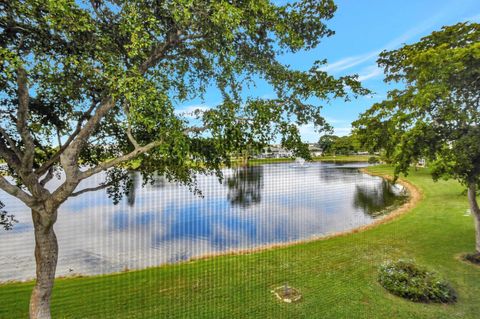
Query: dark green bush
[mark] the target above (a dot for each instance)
(405, 279)
(473, 258)
(373, 160)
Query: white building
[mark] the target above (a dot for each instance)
(314, 150)
(275, 151)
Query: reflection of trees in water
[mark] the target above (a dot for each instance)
(344, 174)
(132, 187)
(245, 186)
(157, 181)
(372, 200)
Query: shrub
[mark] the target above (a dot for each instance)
(373, 160)
(405, 279)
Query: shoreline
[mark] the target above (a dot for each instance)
(415, 196)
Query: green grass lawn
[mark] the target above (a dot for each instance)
(255, 161)
(337, 276)
(344, 158)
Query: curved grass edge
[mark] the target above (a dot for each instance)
(414, 198)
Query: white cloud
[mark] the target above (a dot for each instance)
(189, 111)
(308, 133)
(375, 97)
(370, 72)
(193, 108)
(334, 121)
(349, 62)
(341, 131)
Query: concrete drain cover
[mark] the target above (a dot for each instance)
(287, 294)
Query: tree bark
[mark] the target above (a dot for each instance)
(474, 208)
(46, 255)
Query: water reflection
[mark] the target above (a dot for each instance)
(133, 184)
(164, 222)
(374, 200)
(339, 174)
(132, 187)
(245, 186)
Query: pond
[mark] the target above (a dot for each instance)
(165, 223)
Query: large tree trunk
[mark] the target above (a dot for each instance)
(46, 255)
(474, 208)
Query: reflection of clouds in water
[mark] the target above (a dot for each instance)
(167, 223)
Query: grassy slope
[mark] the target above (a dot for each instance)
(337, 276)
(344, 158)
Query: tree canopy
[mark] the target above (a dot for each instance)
(436, 114)
(326, 143)
(96, 84)
(340, 145)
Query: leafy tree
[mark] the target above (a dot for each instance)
(346, 145)
(90, 87)
(436, 115)
(326, 143)
(6, 221)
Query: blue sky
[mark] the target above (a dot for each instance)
(363, 29)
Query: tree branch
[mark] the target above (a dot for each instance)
(195, 129)
(48, 164)
(111, 163)
(10, 157)
(159, 52)
(69, 161)
(108, 103)
(22, 119)
(90, 189)
(11, 143)
(47, 177)
(79, 141)
(16, 192)
(129, 128)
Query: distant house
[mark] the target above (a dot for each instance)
(422, 163)
(363, 153)
(314, 150)
(275, 151)
(280, 152)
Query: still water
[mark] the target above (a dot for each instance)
(165, 223)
